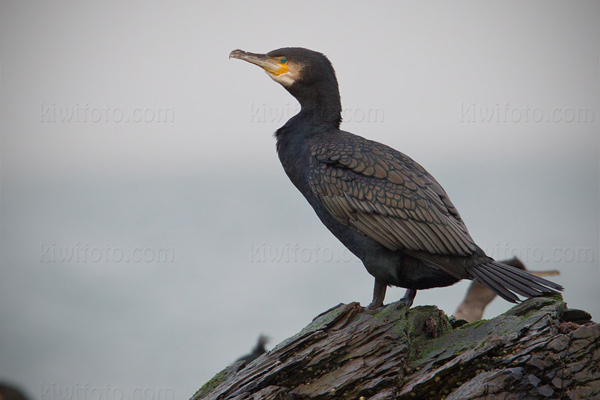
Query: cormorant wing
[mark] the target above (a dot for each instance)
(386, 195)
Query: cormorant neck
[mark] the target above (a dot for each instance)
(320, 104)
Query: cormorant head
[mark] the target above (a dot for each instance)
(307, 75)
(290, 65)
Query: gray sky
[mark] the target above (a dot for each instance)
(148, 232)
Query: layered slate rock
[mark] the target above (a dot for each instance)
(534, 350)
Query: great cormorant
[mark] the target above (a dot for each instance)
(382, 205)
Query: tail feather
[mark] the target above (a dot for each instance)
(529, 280)
(515, 285)
(554, 287)
(506, 281)
(483, 277)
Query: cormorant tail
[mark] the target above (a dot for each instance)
(509, 281)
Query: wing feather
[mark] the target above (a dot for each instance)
(387, 196)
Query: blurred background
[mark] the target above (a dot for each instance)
(148, 231)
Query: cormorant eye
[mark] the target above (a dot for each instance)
(283, 60)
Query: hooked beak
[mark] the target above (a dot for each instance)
(270, 66)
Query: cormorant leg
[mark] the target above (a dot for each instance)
(409, 297)
(378, 295)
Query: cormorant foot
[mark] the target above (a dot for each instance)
(409, 297)
(374, 305)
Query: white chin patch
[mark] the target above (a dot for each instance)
(284, 79)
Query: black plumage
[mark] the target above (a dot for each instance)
(257, 351)
(382, 205)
